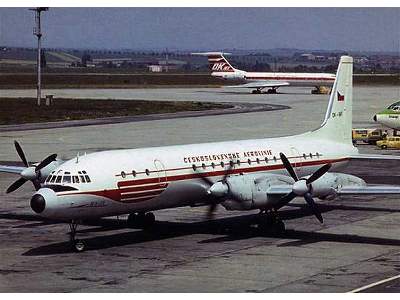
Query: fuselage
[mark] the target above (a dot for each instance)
(126, 181)
(294, 79)
(389, 117)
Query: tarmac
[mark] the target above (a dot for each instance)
(357, 247)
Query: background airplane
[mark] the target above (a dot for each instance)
(257, 81)
(389, 117)
(263, 174)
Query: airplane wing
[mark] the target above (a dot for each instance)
(369, 190)
(11, 169)
(260, 84)
(346, 190)
(375, 156)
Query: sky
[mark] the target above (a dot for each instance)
(351, 29)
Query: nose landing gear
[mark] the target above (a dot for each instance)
(76, 245)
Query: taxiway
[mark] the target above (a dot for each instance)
(358, 244)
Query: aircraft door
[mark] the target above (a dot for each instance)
(161, 172)
(295, 161)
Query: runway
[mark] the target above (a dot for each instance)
(358, 244)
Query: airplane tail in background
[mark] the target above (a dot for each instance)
(217, 62)
(337, 125)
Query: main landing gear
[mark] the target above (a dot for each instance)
(269, 223)
(141, 220)
(269, 91)
(76, 245)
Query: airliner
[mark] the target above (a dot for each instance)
(259, 174)
(258, 81)
(389, 117)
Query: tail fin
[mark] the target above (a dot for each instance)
(337, 124)
(217, 62)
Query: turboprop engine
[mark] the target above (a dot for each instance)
(247, 191)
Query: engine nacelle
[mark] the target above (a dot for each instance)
(235, 76)
(250, 192)
(326, 186)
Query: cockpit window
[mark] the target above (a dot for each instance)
(58, 179)
(394, 106)
(67, 179)
(82, 177)
(75, 179)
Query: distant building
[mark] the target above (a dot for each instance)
(156, 68)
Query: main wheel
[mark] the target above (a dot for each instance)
(383, 147)
(132, 220)
(79, 246)
(149, 219)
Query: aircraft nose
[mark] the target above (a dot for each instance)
(38, 204)
(374, 118)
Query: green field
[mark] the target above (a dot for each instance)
(24, 110)
(112, 80)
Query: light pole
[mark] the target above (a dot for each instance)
(37, 31)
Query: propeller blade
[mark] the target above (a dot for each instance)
(288, 166)
(17, 184)
(317, 174)
(45, 162)
(313, 206)
(36, 184)
(207, 180)
(285, 200)
(21, 153)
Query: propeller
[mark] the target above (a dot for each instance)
(216, 190)
(302, 186)
(30, 173)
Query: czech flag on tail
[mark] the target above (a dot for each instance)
(340, 97)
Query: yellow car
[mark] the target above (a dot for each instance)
(389, 142)
(367, 135)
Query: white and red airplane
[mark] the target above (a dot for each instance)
(221, 68)
(263, 174)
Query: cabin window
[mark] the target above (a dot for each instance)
(317, 154)
(304, 156)
(257, 160)
(123, 174)
(310, 155)
(238, 162)
(147, 172)
(213, 165)
(222, 164)
(134, 173)
(266, 159)
(203, 165)
(275, 158)
(249, 161)
(194, 167)
(231, 163)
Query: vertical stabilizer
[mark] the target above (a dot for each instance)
(217, 62)
(337, 125)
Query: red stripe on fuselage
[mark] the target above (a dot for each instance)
(115, 194)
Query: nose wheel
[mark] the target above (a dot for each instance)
(76, 245)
